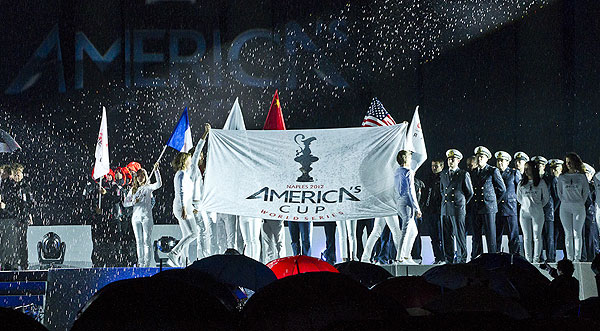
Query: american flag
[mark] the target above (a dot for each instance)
(377, 115)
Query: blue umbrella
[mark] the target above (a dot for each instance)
(238, 270)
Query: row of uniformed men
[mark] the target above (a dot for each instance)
(500, 200)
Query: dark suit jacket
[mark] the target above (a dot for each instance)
(488, 187)
(456, 191)
(508, 201)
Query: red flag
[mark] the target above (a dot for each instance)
(275, 117)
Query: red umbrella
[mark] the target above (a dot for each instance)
(134, 166)
(293, 265)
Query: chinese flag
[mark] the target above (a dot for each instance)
(275, 117)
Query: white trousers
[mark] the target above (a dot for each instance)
(572, 217)
(380, 222)
(272, 239)
(142, 229)
(347, 232)
(227, 226)
(203, 223)
(532, 224)
(250, 228)
(409, 230)
(189, 232)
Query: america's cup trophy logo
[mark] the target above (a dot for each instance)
(304, 157)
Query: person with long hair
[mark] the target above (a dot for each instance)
(186, 167)
(573, 191)
(533, 194)
(140, 198)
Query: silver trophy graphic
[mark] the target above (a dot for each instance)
(304, 157)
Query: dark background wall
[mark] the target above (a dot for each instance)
(510, 75)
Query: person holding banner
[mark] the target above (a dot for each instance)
(203, 222)
(407, 204)
(140, 198)
(183, 202)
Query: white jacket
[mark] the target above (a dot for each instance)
(141, 200)
(533, 197)
(573, 188)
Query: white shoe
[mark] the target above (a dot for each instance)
(173, 260)
(409, 261)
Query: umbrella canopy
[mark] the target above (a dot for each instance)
(455, 276)
(531, 284)
(238, 270)
(293, 265)
(477, 298)
(314, 301)
(203, 281)
(7, 143)
(367, 274)
(409, 291)
(153, 303)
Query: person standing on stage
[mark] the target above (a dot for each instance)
(597, 199)
(520, 159)
(407, 205)
(301, 237)
(533, 194)
(548, 231)
(416, 249)
(187, 171)
(590, 245)
(556, 168)
(140, 198)
(506, 217)
(456, 191)
(347, 233)
(573, 191)
(405, 198)
(432, 202)
(488, 187)
(203, 221)
(16, 205)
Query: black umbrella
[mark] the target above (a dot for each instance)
(154, 303)
(7, 143)
(316, 301)
(531, 284)
(455, 276)
(238, 270)
(367, 274)
(203, 281)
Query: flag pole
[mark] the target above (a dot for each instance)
(100, 193)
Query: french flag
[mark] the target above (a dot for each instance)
(181, 138)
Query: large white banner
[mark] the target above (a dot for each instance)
(303, 175)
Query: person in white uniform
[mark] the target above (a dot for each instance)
(203, 221)
(573, 190)
(140, 198)
(533, 194)
(348, 244)
(182, 203)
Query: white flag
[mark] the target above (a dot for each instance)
(416, 142)
(235, 120)
(102, 165)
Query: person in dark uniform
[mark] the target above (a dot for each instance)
(590, 245)
(103, 221)
(488, 187)
(549, 253)
(17, 204)
(456, 191)
(556, 168)
(416, 249)
(520, 159)
(506, 217)
(470, 215)
(361, 226)
(431, 201)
